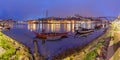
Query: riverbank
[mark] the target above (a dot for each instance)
(78, 52)
(12, 50)
(105, 47)
(90, 51)
(114, 46)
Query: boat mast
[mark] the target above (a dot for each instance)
(47, 18)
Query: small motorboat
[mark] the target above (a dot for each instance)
(83, 31)
(50, 36)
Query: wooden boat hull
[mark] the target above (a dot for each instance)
(54, 38)
(41, 36)
(50, 36)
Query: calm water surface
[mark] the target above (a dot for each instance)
(23, 34)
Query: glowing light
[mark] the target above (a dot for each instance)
(32, 27)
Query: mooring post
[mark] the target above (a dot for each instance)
(36, 54)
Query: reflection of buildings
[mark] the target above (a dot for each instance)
(52, 27)
(21, 22)
(32, 27)
(32, 21)
(64, 24)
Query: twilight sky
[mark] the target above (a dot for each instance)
(33, 9)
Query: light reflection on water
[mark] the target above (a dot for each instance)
(55, 27)
(22, 33)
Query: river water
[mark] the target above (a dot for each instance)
(23, 34)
